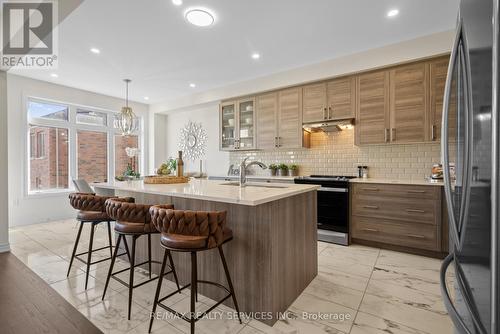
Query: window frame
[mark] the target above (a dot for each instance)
(73, 127)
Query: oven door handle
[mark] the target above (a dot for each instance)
(334, 190)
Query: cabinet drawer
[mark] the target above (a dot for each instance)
(426, 211)
(396, 233)
(394, 190)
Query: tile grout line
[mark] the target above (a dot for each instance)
(364, 292)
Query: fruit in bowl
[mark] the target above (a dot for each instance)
(163, 170)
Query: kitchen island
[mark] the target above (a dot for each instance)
(273, 256)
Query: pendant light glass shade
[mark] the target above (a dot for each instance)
(127, 122)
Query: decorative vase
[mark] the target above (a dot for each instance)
(292, 172)
(282, 172)
(272, 172)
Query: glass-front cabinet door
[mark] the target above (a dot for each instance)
(246, 124)
(228, 126)
(237, 125)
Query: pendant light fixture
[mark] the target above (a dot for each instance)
(127, 122)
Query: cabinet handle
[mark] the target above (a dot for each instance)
(386, 137)
(433, 132)
(324, 113)
(393, 134)
(279, 141)
(369, 229)
(329, 112)
(416, 191)
(370, 207)
(370, 189)
(415, 211)
(275, 141)
(416, 236)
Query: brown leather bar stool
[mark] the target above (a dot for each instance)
(132, 220)
(191, 231)
(91, 209)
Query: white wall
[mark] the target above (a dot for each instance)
(24, 209)
(4, 193)
(214, 161)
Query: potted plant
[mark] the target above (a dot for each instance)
(282, 170)
(272, 169)
(293, 170)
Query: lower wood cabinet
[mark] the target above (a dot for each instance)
(399, 215)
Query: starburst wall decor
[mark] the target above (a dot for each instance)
(193, 140)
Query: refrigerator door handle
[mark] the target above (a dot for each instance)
(444, 136)
(452, 311)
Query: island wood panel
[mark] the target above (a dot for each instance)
(272, 257)
(267, 108)
(289, 118)
(408, 95)
(314, 102)
(341, 95)
(372, 112)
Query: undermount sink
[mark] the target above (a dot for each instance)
(253, 185)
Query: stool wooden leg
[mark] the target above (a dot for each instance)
(158, 288)
(110, 241)
(89, 254)
(229, 282)
(149, 255)
(172, 266)
(131, 280)
(194, 283)
(113, 258)
(75, 247)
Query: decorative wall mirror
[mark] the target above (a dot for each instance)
(193, 140)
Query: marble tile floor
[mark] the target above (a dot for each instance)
(358, 290)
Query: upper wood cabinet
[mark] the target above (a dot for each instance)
(341, 100)
(279, 119)
(372, 114)
(330, 100)
(237, 125)
(267, 111)
(438, 70)
(314, 103)
(408, 103)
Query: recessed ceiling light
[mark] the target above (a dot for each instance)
(146, 98)
(393, 12)
(192, 85)
(255, 55)
(200, 17)
(177, 2)
(95, 50)
(54, 75)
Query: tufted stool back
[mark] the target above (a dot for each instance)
(200, 229)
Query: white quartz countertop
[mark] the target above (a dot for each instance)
(405, 182)
(255, 177)
(214, 190)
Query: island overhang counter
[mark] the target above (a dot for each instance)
(273, 255)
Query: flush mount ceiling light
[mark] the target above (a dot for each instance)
(393, 12)
(177, 2)
(95, 50)
(192, 85)
(146, 98)
(54, 75)
(255, 55)
(200, 17)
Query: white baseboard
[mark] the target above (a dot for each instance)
(4, 248)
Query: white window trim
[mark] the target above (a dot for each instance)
(73, 127)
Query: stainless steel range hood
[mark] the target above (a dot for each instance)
(329, 126)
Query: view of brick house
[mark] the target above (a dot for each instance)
(49, 156)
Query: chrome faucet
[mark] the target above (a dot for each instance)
(243, 170)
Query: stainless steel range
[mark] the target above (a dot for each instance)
(333, 206)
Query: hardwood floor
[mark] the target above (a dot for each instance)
(29, 305)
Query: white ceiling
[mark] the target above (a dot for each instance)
(151, 43)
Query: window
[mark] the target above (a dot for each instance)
(92, 156)
(67, 141)
(48, 171)
(122, 160)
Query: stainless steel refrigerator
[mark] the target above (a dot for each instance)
(470, 164)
